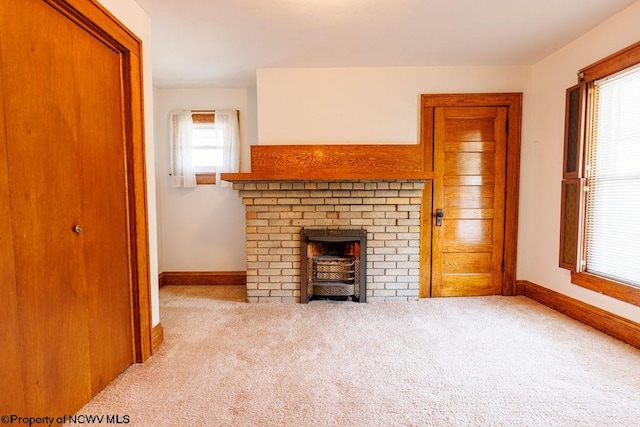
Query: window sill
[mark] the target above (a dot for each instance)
(206, 178)
(618, 290)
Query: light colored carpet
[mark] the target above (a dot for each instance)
(484, 361)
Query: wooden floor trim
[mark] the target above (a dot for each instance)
(611, 324)
(208, 278)
(157, 336)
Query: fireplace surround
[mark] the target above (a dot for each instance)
(276, 212)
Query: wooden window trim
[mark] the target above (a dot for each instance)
(205, 178)
(611, 288)
(623, 59)
(203, 117)
(612, 64)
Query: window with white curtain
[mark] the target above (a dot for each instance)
(613, 179)
(204, 144)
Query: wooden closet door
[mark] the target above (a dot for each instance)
(11, 381)
(39, 70)
(65, 151)
(104, 213)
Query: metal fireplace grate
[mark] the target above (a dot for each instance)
(333, 264)
(334, 275)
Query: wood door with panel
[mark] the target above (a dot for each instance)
(468, 200)
(62, 93)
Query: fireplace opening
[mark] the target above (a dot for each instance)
(333, 264)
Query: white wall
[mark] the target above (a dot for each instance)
(542, 159)
(135, 19)
(202, 228)
(364, 105)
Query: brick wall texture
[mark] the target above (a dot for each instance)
(277, 211)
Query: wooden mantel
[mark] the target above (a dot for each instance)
(343, 162)
(335, 163)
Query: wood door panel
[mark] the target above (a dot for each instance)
(471, 263)
(470, 146)
(480, 129)
(464, 180)
(44, 160)
(461, 163)
(468, 231)
(11, 375)
(467, 248)
(65, 151)
(468, 113)
(469, 197)
(470, 213)
(469, 186)
(467, 285)
(104, 208)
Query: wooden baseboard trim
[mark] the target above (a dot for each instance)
(209, 278)
(157, 336)
(611, 324)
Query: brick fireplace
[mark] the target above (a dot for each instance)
(276, 212)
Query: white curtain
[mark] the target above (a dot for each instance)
(183, 173)
(228, 132)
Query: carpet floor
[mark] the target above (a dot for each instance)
(483, 361)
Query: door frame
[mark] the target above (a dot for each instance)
(95, 19)
(513, 102)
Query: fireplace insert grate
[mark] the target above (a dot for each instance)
(334, 275)
(333, 264)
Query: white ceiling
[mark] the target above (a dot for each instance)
(220, 43)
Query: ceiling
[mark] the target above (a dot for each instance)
(221, 43)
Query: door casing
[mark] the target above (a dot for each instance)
(513, 102)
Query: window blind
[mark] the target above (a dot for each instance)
(613, 180)
(207, 147)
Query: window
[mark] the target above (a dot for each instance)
(600, 222)
(613, 179)
(203, 145)
(207, 148)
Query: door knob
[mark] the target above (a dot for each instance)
(439, 216)
(77, 229)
